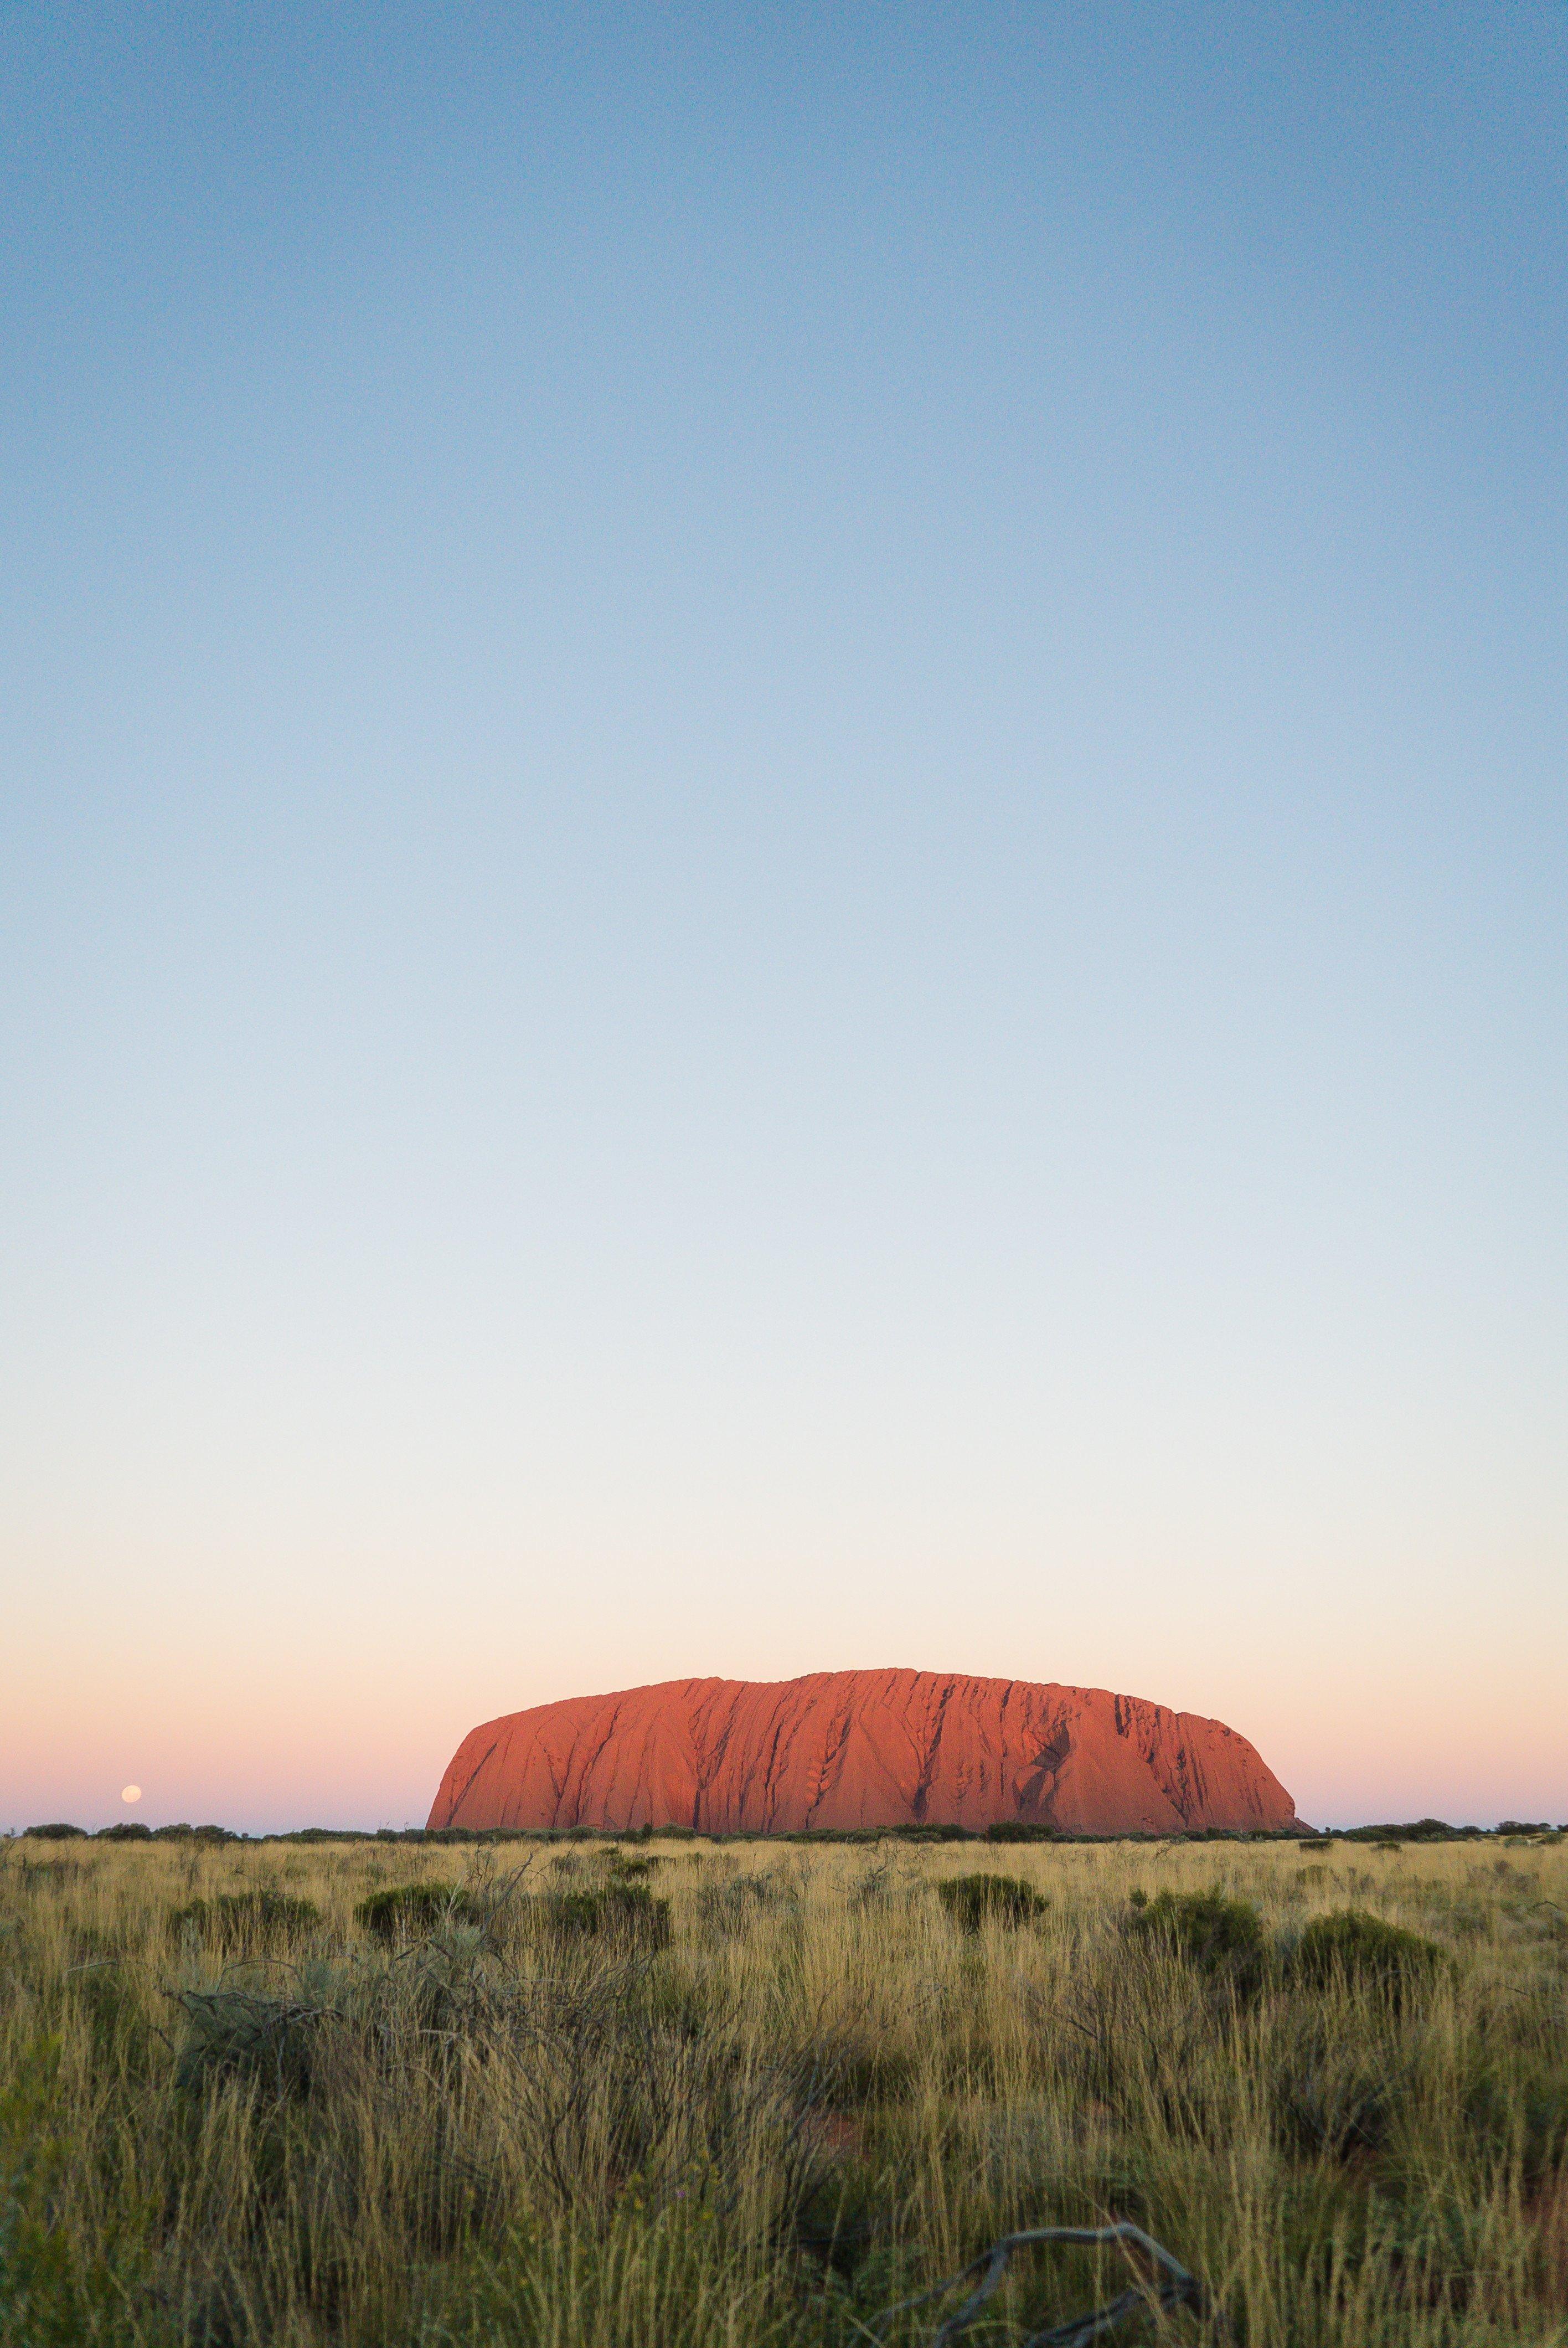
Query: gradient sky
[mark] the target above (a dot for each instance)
(782, 879)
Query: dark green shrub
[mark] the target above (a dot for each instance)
(238, 1921)
(1211, 1931)
(253, 2034)
(58, 1833)
(1354, 1946)
(1339, 2096)
(410, 1911)
(625, 1910)
(1524, 2119)
(128, 1830)
(972, 1900)
(841, 2218)
(1019, 1830)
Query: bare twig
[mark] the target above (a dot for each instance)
(1174, 2287)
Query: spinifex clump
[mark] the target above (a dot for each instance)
(237, 1923)
(973, 1901)
(623, 1909)
(410, 1911)
(1210, 1930)
(1354, 1947)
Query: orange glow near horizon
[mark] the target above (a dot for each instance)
(359, 1735)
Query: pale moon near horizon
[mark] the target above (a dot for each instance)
(131, 1793)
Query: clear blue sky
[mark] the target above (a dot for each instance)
(782, 877)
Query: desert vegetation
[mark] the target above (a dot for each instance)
(674, 2093)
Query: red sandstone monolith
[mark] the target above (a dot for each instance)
(843, 1749)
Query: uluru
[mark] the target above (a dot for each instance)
(871, 1749)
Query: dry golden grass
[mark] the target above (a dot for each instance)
(819, 2097)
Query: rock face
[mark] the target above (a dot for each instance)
(859, 1749)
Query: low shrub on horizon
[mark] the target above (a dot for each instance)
(1413, 1831)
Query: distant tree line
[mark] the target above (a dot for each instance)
(1005, 1830)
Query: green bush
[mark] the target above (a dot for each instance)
(1019, 1830)
(1354, 1946)
(1213, 1932)
(258, 2035)
(410, 1911)
(58, 1833)
(973, 1901)
(1339, 2092)
(237, 1921)
(626, 1911)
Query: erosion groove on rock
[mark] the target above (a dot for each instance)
(840, 1749)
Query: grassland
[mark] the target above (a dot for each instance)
(802, 2092)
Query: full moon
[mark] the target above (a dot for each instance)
(131, 1793)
